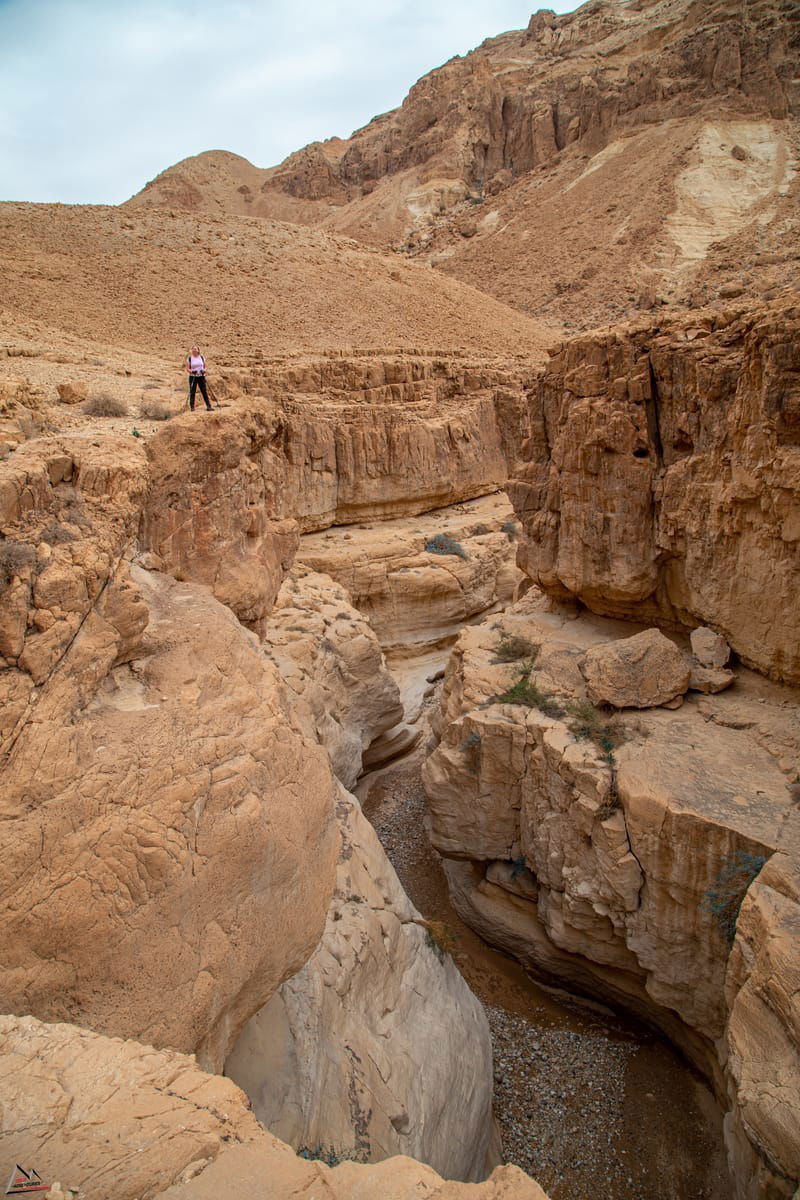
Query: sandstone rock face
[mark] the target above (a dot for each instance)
(375, 438)
(329, 657)
(415, 597)
(169, 1130)
(377, 1046)
(210, 510)
(661, 480)
(635, 840)
(166, 805)
(643, 671)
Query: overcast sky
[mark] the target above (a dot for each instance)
(98, 96)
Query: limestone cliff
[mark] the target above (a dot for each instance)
(661, 478)
(613, 854)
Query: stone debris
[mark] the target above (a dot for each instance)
(709, 648)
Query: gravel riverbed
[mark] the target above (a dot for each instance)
(587, 1103)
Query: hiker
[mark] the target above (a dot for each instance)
(196, 366)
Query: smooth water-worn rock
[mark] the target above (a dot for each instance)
(377, 1046)
(170, 1130)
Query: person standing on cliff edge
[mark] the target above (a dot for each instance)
(196, 366)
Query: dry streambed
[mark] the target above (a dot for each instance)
(588, 1103)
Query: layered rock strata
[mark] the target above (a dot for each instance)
(97, 1111)
(613, 853)
(419, 580)
(661, 479)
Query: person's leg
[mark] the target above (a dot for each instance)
(192, 390)
(202, 381)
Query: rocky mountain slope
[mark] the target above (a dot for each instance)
(156, 281)
(597, 162)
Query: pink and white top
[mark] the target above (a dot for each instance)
(197, 364)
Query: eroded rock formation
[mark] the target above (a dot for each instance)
(377, 1047)
(192, 1135)
(661, 479)
(614, 853)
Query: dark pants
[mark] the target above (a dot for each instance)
(194, 381)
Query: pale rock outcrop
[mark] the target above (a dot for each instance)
(413, 596)
(377, 1046)
(165, 806)
(661, 478)
(212, 513)
(328, 656)
(643, 671)
(636, 839)
(709, 679)
(100, 1113)
(709, 648)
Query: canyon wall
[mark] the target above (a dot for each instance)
(661, 478)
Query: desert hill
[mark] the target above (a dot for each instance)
(592, 164)
(152, 281)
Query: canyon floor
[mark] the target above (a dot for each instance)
(587, 1102)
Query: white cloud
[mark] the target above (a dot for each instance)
(97, 98)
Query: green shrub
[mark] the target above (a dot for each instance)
(481, 530)
(509, 528)
(442, 543)
(723, 899)
(525, 691)
(471, 747)
(103, 404)
(14, 558)
(513, 647)
(439, 938)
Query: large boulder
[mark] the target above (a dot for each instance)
(165, 808)
(642, 671)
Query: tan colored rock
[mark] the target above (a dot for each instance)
(624, 857)
(377, 1046)
(660, 480)
(146, 1122)
(710, 679)
(709, 648)
(182, 804)
(72, 393)
(413, 597)
(642, 671)
(328, 655)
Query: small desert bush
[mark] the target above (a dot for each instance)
(513, 648)
(593, 724)
(526, 692)
(509, 528)
(471, 747)
(723, 899)
(439, 938)
(103, 404)
(56, 535)
(14, 557)
(154, 410)
(481, 530)
(442, 543)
